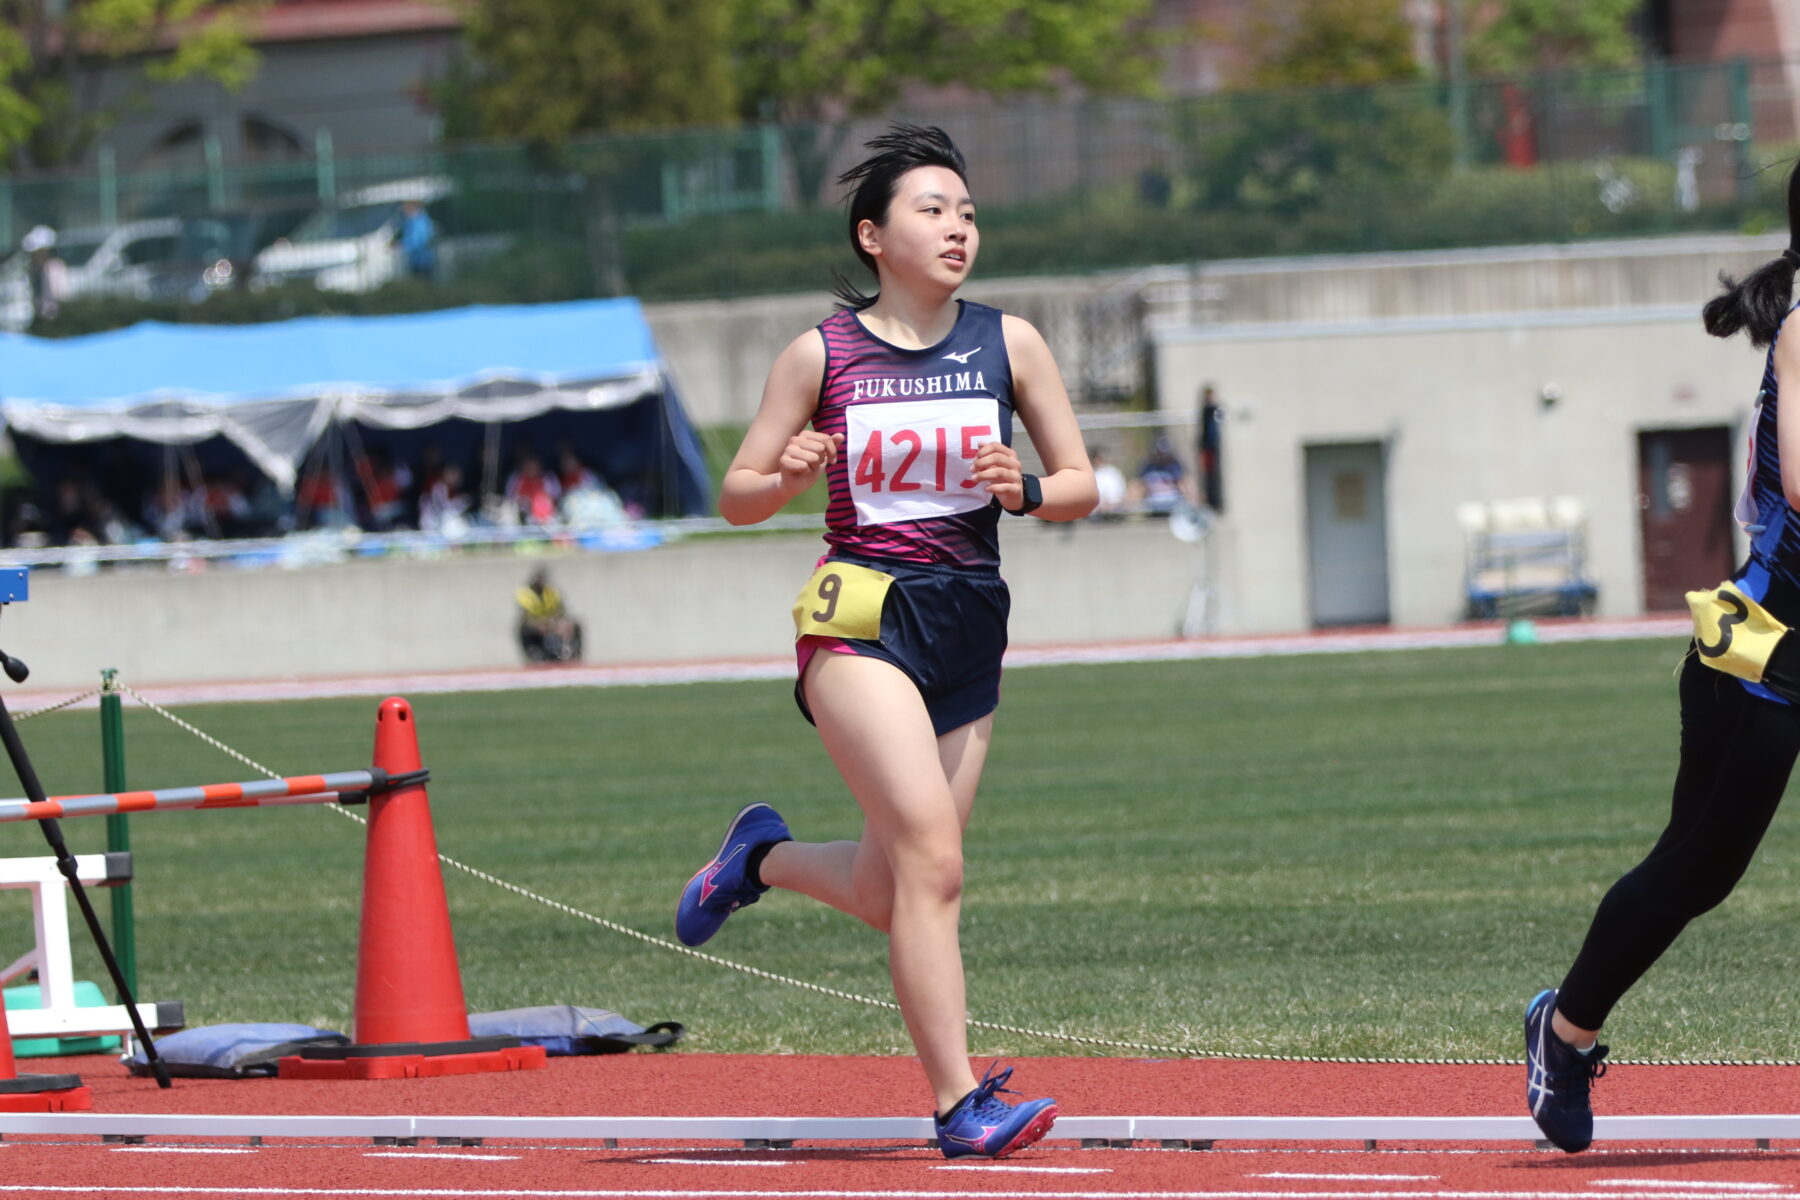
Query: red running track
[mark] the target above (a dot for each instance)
(672, 1084)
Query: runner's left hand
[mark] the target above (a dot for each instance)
(997, 468)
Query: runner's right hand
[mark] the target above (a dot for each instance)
(806, 454)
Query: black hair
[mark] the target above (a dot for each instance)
(1761, 300)
(901, 149)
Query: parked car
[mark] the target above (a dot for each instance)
(119, 260)
(350, 247)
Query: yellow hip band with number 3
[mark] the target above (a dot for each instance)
(1734, 633)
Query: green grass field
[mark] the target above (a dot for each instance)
(1375, 854)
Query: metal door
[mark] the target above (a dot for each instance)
(1346, 533)
(1684, 504)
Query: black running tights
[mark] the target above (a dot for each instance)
(1736, 753)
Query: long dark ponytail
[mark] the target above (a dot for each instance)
(1760, 302)
(899, 150)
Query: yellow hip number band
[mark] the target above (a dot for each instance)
(1734, 633)
(842, 600)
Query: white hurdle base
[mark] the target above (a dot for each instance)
(765, 1132)
(50, 956)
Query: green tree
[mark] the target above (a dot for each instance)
(816, 63)
(809, 59)
(52, 53)
(1541, 35)
(547, 70)
(1332, 43)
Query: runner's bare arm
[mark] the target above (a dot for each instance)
(1787, 414)
(1043, 404)
(780, 457)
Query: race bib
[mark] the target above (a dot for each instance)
(910, 459)
(842, 600)
(1734, 633)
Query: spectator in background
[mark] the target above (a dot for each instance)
(1109, 481)
(45, 274)
(531, 492)
(385, 485)
(546, 631)
(1212, 488)
(418, 240)
(586, 502)
(322, 500)
(173, 512)
(227, 504)
(444, 506)
(1161, 481)
(71, 513)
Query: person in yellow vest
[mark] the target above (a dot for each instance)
(547, 633)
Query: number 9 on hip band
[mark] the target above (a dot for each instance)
(842, 600)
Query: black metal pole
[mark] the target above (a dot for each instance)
(65, 862)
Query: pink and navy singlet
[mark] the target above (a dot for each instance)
(912, 421)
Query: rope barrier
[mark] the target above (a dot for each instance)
(871, 1002)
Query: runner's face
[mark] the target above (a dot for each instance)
(930, 235)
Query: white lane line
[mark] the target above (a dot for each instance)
(440, 1154)
(1327, 1175)
(1022, 1167)
(1721, 1184)
(1700, 1192)
(179, 1150)
(725, 1162)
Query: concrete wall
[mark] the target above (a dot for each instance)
(1458, 404)
(720, 351)
(707, 598)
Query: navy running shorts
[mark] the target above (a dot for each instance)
(945, 627)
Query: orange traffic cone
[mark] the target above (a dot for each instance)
(410, 1016)
(36, 1093)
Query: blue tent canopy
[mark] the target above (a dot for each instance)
(437, 351)
(273, 390)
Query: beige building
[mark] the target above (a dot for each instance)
(1378, 409)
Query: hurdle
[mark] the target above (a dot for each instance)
(343, 787)
(50, 957)
(59, 1015)
(779, 1133)
(410, 1017)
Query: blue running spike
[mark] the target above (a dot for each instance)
(721, 887)
(985, 1125)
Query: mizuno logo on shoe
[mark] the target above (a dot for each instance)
(707, 886)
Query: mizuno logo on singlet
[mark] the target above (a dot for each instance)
(950, 383)
(963, 358)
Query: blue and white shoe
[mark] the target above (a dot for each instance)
(985, 1125)
(721, 887)
(1557, 1077)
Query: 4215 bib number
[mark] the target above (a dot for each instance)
(912, 459)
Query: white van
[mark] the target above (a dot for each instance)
(351, 246)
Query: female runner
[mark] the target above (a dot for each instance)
(910, 396)
(1739, 736)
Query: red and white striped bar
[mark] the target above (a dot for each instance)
(299, 789)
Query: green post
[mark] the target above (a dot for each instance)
(1659, 83)
(1743, 132)
(109, 185)
(118, 830)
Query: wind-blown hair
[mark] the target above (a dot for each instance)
(901, 149)
(1761, 300)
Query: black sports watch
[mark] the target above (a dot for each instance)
(1033, 492)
